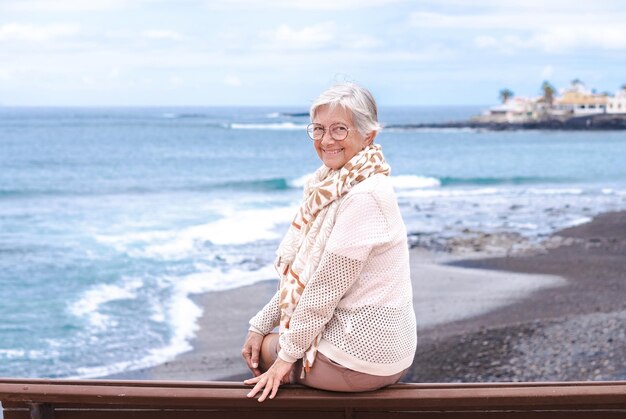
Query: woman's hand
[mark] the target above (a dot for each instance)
(251, 351)
(270, 380)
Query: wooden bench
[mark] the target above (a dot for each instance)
(99, 399)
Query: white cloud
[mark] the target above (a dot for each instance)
(330, 5)
(334, 4)
(66, 5)
(484, 41)
(36, 33)
(551, 32)
(523, 20)
(308, 37)
(507, 44)
(114, 73)
(232, 81)
(362, 42)
(558, 39)
(450, 21)
(517, 7)
(176, 80)
(547, 72)
(162, 34)
(88, 81)
(5, 74)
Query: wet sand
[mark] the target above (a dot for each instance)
(553, 314)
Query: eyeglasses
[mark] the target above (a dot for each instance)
(338, 131)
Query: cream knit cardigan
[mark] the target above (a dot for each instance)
(361, 294)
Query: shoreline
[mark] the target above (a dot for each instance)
(480, 317)
(224, 323)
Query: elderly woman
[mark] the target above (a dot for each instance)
(344, 303)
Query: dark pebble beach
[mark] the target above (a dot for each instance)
(576, 332)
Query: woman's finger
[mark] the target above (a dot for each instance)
(254, 358)
(268, 387)
(253, 380)
(275, 388)
(245, 352)
(256, 388)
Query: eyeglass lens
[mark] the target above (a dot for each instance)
(338, 132)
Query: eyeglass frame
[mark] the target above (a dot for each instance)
(313, 124)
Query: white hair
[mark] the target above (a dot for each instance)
(353, 98)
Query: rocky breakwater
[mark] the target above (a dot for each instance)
(598, 122)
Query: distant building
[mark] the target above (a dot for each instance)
(573, 101)
(578, 100)
(516, 109)
(617, 104)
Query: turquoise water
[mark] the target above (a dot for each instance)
(111, 219)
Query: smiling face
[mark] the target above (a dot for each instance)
(334, 154)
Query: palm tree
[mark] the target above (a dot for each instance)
(624, 86)
(506, 94)
(548, 92)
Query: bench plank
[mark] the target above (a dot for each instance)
(161, 399)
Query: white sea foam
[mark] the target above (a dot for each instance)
(123, 243)
(414, 182)
(234, 228)
(555, 191)
(523, 226)
(12, 353)
(183, 314)
(301, 181)
(577, 221)
(243, 227)
(449, 130)
(431, 193)
(21, 353)
(92, 299)
(271, 126)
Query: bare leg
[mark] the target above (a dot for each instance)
(269, 351)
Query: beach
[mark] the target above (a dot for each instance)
(553, 312)
(573, 332)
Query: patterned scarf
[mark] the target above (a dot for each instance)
(302, 247)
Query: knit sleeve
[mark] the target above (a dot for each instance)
(360, 225)
(268, 318)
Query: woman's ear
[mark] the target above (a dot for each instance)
(369, 139)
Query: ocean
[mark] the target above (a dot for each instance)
(112, 219)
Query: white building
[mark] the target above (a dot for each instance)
(617, 104)
(516, 109)
(579, 100)
(581, 104)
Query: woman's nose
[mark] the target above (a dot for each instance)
(326, 138)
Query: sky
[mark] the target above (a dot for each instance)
(279, 52)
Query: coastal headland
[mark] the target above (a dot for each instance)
(551, 312)
(600, 122)
(573, 108)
